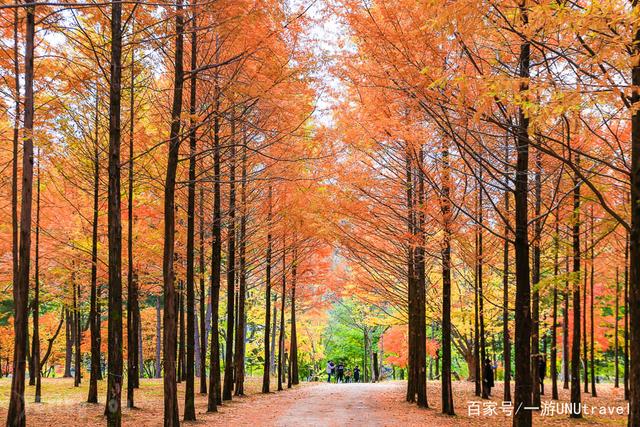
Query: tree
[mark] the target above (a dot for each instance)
(16, 415)
(114, 387)
(171, 417)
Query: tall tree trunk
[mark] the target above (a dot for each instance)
(565, 328)
(171, 410)
(523, 286)
(535, 278)
(554, 315)
(266, 377)
(203, 302)
(575, 344)
(16, 140)
(585, 352)
(158, 344)
(94, 319)
(132, 286)
(140, 355)
(215, 395)
(479, 275)
(483, 344)
(634, 240)
(242, 288)
(445, 206)
(274, 329)
(411, 282)
(196, 340)
(293, 345)
(477, 362)
(181, 343)
(231, 267)
(98, 317)
(78, 333)
(506, 341)
(189, 398)
(113, 406)
(35, 348)
(282, 326)
(421, 284)
(15, 154)
(68, 343)
(626, 319)
(16, 415)
(594, 393)
(616, 333)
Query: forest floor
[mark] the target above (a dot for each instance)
(310, 404)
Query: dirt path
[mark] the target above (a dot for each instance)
(309, 404)
(337, 405)
(383, 404)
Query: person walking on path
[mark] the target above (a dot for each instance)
(356, 374)
(330, 367)
(542, 367)
(487, 376)
(340, 377)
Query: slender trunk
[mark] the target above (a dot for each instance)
(535, 279)
(594, 393)
(77, 332)
(565, 328)
(68, 344)
(99, 326)
(483, 345)
(447, 390)
(274, 329)
(506, 344)
(411, 283)
(140, 355)
(616, 333)
(132, 286)
(189, 398)
(35, 348)
(16, 415)
(523, 286)
(626, 319)
(282, 327)
(585, 353)
(242, 288)
(203, 303)
(293, 346)
(477, 375)
(266, 378)
(171, 410)
(94, 319)
(158, 333)
(231, 267)
(215, 395)
(181, 344)
(634, 240)
(554, 322)
(196, 340)
(575, 344)
(113, 407)
(421, 284)
(16, 141)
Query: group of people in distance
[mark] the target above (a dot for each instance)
(487, 373)
(342, 374)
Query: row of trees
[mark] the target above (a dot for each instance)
(502, 138)
(203, 111)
